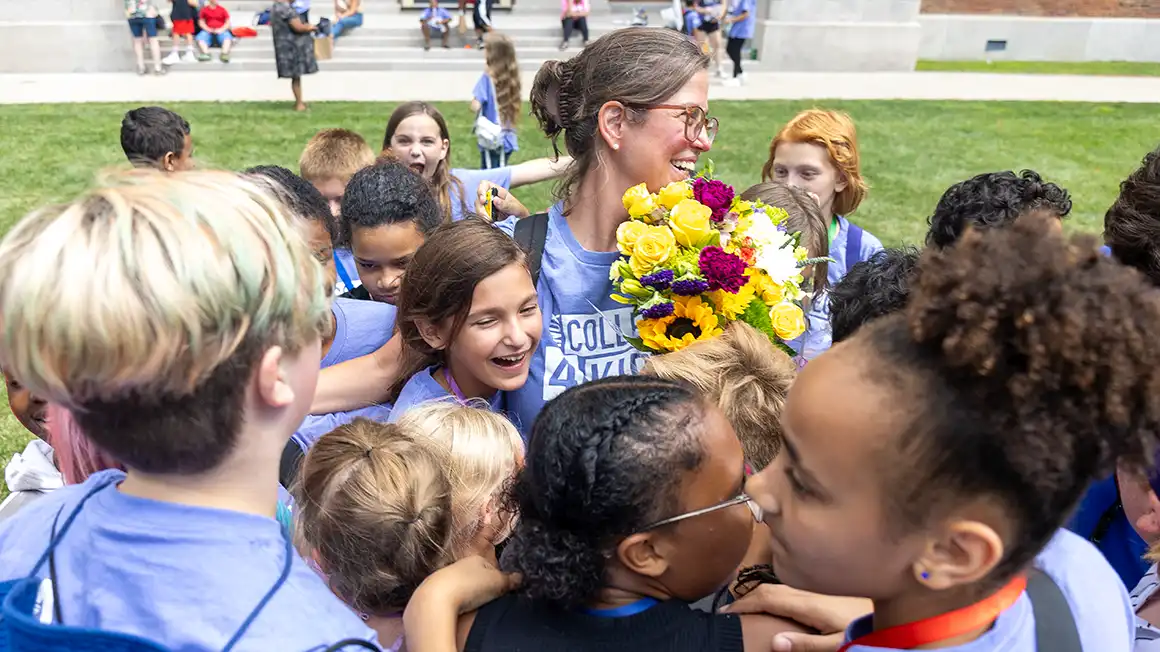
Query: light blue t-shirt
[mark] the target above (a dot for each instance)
(579, 343)
(360, 328)
(1098, 600)
(471, 179)
(344, 266)
(434, 17)
(484, 93)
(423, 387)
(817, 338)
(743, 28)
(184, 577)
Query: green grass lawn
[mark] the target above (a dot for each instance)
(1112, 68)
(911, 152)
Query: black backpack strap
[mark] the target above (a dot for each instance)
(291, 459)
(1055, 629)
(531, 234)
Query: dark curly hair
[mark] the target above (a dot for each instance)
(870, 289)
(149, 133)
(995, 199)
(1132, 224)
(298, 195)
(1032, 365)
(605, 459)
(388, 192)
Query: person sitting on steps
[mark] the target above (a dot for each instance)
(435, 20)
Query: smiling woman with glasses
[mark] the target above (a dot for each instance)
(631, 505)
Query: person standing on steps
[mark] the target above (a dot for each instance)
(184, 19)
(293, 47)
(481, 15)
(574, 17)
(142, 15)
(742, 18)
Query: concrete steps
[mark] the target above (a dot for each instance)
(391, 40)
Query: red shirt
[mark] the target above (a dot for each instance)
(215, 17)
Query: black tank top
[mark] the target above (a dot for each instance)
(512, 624)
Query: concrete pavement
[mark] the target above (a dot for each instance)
(396, 86)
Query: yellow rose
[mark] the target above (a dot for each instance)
(633, 195)
(672, 194)
(627, 234)
(689, 220)
(653, 247)
(788, 320)
(643, 207)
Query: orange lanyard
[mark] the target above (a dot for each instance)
(945, 626)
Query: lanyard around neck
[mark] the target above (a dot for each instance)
(454, 387)
(623, 611)
(833, 229)
(945, 626)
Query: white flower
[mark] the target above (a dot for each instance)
(764, 234)
(779, 263)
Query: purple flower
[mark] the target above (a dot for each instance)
(659, 311)
(658, 280)
(717, 196)
(723, 270)
(690, 288)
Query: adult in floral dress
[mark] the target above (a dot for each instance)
(293, 47)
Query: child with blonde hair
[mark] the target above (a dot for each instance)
(193, 369)
(818, 151)
(497, 98)
(426, 490)
(328, 162)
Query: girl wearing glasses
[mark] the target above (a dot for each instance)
(631, 505)
(818, 152)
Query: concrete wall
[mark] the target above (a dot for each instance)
(839, 35)
(66, 36)
(962, 37)
(1090, 8)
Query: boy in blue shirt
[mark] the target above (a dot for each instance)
(193, 368)
(435, 20)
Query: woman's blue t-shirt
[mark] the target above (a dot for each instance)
(584, 329)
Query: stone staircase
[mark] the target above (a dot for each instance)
(390, 38)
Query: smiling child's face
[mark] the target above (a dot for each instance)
(28, 409)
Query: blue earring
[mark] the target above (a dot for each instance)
(925, 575)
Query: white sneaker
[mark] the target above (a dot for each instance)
(731, 81)
(173, 58)
(189, 57)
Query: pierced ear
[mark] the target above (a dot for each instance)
(612, 120)
(639, 553)
(843, 182)
(431, 334)
(964, 553)
(274, 386)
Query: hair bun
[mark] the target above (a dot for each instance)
(1053, 322)
(549, 95)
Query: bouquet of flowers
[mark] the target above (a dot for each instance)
(695, 257)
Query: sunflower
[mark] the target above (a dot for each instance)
(692, 320)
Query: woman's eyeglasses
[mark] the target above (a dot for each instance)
(696, 120)
(758, 514)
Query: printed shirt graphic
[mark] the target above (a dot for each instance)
(583, 327)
